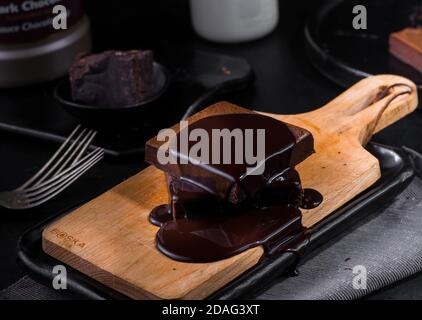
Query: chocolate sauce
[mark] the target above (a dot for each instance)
(219, 236)
(217, 211)
(311, 199)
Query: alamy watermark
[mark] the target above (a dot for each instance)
(60, 277)
(360, 21)
(193, 147)
(60, 19)
(360, 279)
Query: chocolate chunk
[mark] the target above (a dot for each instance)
(113, 78)
(406, 45)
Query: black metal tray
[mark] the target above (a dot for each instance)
(345, 55)
(397, 172)
(197, 78)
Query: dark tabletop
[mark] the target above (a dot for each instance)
(286, 82)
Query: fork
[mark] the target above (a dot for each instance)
(68, 164)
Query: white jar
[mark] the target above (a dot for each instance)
(234, 20)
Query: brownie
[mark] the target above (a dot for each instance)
(406, 45)
(113, 78)
(285, 147)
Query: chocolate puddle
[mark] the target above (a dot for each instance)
(222, 234)
(311, 199)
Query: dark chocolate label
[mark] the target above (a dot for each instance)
(30, 20)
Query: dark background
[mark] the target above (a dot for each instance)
(286, 82)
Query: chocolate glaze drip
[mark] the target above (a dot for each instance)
(219, 211)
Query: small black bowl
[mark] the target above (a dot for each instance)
(112, 115)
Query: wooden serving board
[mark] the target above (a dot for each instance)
(111, 240)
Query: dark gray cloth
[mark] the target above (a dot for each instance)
(388, 244)
(28, 289)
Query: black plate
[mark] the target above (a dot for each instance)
(397, 172)
(346, 55)
(63, 94)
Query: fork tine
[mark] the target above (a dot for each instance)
(52, 184)
(83, 145)
(51, 160)
(43, 191)
(62, 158)
(42, 198)
(64, 174)
(37, 202)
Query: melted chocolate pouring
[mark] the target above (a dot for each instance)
(219, 211)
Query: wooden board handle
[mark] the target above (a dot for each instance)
(356, 113)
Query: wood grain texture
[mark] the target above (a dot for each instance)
(111, 240)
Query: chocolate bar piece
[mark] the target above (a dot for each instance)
(113, 78)
(406, 45)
